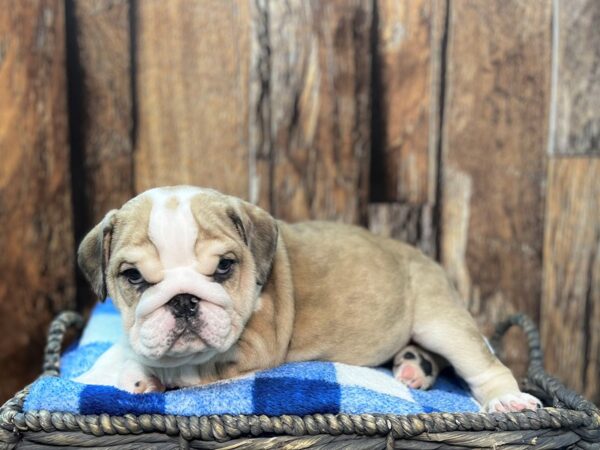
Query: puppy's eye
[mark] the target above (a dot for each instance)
(133, 276)
(224, 267)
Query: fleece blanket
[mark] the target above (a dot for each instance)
(293, 388)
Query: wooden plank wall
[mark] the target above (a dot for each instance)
(466, 128)
(192, 121)
(101, 102)
(570, 307)
(316, 108)
(406, 120)
(494, 145)
(36, 233)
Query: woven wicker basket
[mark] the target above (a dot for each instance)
(570, 422)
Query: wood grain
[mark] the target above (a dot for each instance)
(406, 110)
(494, 131)
(260, 142)
(570, 310)
(406, 223)
(577, 78)
(192, 89)
(103, 114)
(36, 242)
(404, 165)
(319, 109)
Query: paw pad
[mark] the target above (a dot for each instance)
(415, 368)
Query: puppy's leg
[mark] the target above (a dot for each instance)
(444, 326)
(416, 368)
(106, 369)
(118, 367)
(137, 379)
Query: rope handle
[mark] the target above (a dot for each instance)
(560, 395)
(56, 334)
(536, 355)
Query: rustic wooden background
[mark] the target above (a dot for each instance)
(469, 128)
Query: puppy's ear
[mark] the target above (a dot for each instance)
(259, 231)
(94, 252)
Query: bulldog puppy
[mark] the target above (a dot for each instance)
(212, 287)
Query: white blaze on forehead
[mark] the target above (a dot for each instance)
(172, 227)
(173, 230)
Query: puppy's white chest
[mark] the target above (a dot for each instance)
(178, 377)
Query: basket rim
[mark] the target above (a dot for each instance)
(570, 411)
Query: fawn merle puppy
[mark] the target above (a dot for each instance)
(211, 287)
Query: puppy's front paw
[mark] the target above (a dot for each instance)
(512, 403)
(136, 379)
(415, 368)
(149, 384)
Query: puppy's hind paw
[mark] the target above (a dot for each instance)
(415, 368)
(512, 403)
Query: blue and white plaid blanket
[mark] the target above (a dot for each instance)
(293, 388)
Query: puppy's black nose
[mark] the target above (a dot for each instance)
(184, 305)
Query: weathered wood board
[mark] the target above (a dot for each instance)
(101, 113)
(407, 74)
(404, 161)
(319, 109)
(494, 147)
(101, 107)
(407, 223)
(192, 68)
(36, 240)
(576, 78)
(260, 143)
(570, 310)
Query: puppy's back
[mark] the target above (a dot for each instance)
(350, 292)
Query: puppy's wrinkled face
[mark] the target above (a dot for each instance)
(185, 266)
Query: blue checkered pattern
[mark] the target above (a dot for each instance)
(293, 388)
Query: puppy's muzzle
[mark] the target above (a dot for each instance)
(184, 306)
